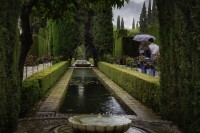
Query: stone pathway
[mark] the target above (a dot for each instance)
(52, 103)
(141, 111)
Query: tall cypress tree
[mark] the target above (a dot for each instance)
(133, 24)
(180, 62)
(137, 25)
(118, 22)
(149, 14)
(122, 23)
(102, 31)
(9, 75)
(143, 19)
(154, 14)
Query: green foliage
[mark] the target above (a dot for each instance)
(118, 48)
(3, 83)
(43, 48)
(36, 86)
(120, 33)
(122, 23)
(133, 24)
(9, 83)
(108, 58)
(34, 48)
(80, 52)
(143, 19)
(154, 14)
(9, 14)
(137, 25)
(41, 45)
(126, 46)
(30, 94)
(133, 32)
(149, 14)
(154, 31)
(129, 61)
(102, 31)
(141, 86)
(180, 62)
(63, 41)
(118, 22)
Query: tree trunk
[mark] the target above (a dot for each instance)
(26, 36)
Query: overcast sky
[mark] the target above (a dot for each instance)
(128, 12)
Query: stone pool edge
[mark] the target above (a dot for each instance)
(141, 111)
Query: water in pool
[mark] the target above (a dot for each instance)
(86, 95)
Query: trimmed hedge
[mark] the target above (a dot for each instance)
(35, 86)
(126, 46)
(143, 87)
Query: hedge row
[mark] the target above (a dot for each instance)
(143, 87)
(35, 86)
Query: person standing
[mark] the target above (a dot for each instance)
(144, 54)
(144, 49)
(154, 48)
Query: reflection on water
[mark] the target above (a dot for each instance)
(86, 94)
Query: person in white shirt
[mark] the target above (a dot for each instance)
(153, 47)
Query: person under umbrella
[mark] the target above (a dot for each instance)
(145, 54)
(153, 47)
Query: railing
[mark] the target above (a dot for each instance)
(29, 70)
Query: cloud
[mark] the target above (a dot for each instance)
(128, 12)
(137, 1)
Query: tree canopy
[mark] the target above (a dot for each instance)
(10, 11)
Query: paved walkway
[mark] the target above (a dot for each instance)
(52, 103)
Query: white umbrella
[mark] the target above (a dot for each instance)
(143, 37)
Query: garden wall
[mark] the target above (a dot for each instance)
(143, 87)
(36, 86)
(126, 46)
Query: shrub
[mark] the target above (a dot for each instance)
(143, 87)
(36, 86)
(29, 94)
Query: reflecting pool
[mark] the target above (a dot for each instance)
(86, 95)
